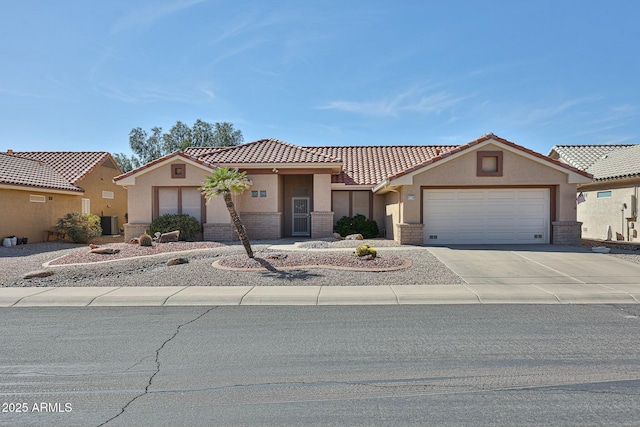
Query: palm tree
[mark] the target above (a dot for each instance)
(225, 182)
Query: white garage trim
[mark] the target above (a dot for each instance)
(486, 215)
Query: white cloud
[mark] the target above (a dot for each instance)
(417, 100)
(147, 16)
(137, 94)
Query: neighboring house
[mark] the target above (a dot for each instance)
(610, 201)
(37, 188)
(487, 191)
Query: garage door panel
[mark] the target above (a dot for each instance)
(501, 195)
(486, 216)
(470, 195)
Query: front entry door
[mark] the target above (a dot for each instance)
(301, 217)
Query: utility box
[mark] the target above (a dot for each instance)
(630, 208)
(109, 225)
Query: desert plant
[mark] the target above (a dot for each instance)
(359, 224)
(80, 227)
(225, 182)
(145, 240)
(189, 226)
(364, 250)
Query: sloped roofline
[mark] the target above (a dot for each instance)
(68, 188)
(485, 138)
(152, 164)
(104, 155)
(455, 152)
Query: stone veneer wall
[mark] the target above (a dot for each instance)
(567, 233)
(321, 224)
(134, 230)
(262, 225)
(219, 232)
(409, 234)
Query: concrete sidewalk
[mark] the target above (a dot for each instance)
(561, 293)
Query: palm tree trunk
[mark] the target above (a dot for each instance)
(235, 218)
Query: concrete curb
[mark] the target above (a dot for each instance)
(321, 295)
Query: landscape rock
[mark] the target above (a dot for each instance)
(37, 274)
(354, 237)
(173, 236)
(337, 236)
(177, 261)
(135, 241)
(107, 251)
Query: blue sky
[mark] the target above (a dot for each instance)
(79, 75)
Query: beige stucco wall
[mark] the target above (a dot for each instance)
(99, 180)
(596, 213)
(517, 170)
(322, 192)
(393, 206)
(261, 182)
(140, 195)
(21, 218)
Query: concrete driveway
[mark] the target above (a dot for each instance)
(535, 264)
(542, 273)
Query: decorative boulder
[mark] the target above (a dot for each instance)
(177, 261)
(169, 237)
(337, 236)
(135, 241)
(354, 237)
(107, 251)
(37, 274)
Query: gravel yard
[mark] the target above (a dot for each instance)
(153, 271)
(425, 269)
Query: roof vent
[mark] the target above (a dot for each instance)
(10, 151)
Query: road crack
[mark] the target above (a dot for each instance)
(157, 371)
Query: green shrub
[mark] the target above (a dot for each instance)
(359, 224)
(189, 226)
(80, 227)
(145, 240)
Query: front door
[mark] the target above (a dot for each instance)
(301, 217)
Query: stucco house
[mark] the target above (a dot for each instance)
(37, 188)
(610, 201)
(487, 191)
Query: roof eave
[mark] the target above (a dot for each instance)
(34, 188)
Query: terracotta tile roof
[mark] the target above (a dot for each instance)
(361, 165)
(73, 165)
(583, 156)
(370, 165)
(618, 164)
(481, 140)
(263, 151)
(17, 170)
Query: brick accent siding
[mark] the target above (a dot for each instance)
(262, 225)
(321, 224)
(219, 232)
(134, 230)
(409, 234)
(567, 233)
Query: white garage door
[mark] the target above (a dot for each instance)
(470, 216)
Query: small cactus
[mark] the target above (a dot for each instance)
(364, 250)
(145, 240)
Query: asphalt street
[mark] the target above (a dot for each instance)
(540, 365)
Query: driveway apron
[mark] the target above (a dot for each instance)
(535, 265)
